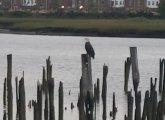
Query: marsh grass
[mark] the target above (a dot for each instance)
(129, 24)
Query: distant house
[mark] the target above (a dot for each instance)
(152, 3)
(117, 3)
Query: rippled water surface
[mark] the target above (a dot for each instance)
(30, 52)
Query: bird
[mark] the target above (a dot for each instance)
(89, 48)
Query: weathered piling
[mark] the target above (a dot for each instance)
(146, 105)
(98, 89)
(61, 101)
(160, 114)
(9, 87)
(130, 105)
(95, 99)
(46, 115)
(4, 98)
(138, 106)
(51, 99)
(135, 69)
(163, 92)
(161, 62)
(44, 83)
(22, 102)
(126, 73)
(39, 100)
(154, 106)
(81, 102)
(114, 107)
(89, 105)
(86, 74)
(36, 115)
(49, 68)
(104, 90)
(17, 92)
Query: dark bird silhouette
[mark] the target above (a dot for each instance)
(89, 48)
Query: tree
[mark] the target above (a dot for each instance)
(161, 8)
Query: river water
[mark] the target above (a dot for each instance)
(31, 51)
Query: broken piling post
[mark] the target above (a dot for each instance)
(9, 87)
(146, 105)
(104, 90)
(81, 102)
(17, 97)
(86, 74)
(126, 73)
(138, 106)
(61, 101)
(39, 100)
(4, 99)
(98, 89)
(130, 105)
(161, 70)
(135, 69)
(22, 102)
(51, 99)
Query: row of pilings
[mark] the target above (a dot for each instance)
(89, 94)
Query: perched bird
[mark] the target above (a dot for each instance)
(89, 48)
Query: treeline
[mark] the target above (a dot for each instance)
(72, 14)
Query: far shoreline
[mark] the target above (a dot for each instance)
(86, 33)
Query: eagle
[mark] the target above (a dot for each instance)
(89, 48)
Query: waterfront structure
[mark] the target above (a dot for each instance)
(88, 6)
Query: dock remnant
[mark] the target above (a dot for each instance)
(135, 68)
(4, 100)
(39, 100)
(22, 102)
(98, 90)
(80, 103)
(130, 105)
(114, 108)
(104, 91)
(86, 75)
(126, 73)
(61, 101)
(161, 70)
(9, 87)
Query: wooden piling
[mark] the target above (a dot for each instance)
(104, 91)
(146, 105)
(114, 108)
(163, 92)
(61, 101)
(130, 105)
(160, 114)
(126, 73)
(138, 106)
(46, 117)
(161, 62)
(81, 102)
(4, 99)
(51, 99)
(44, 80)
(86, 74)
(9, 87)
(17, 97)
(98, 89)
(36, 114)
(135, 69)
(89, 105)
(22, 102)
(39, 100)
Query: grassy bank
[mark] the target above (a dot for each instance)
(108, 26)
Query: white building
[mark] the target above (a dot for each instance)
(29, 2)
(117, 3)
(152, 3)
